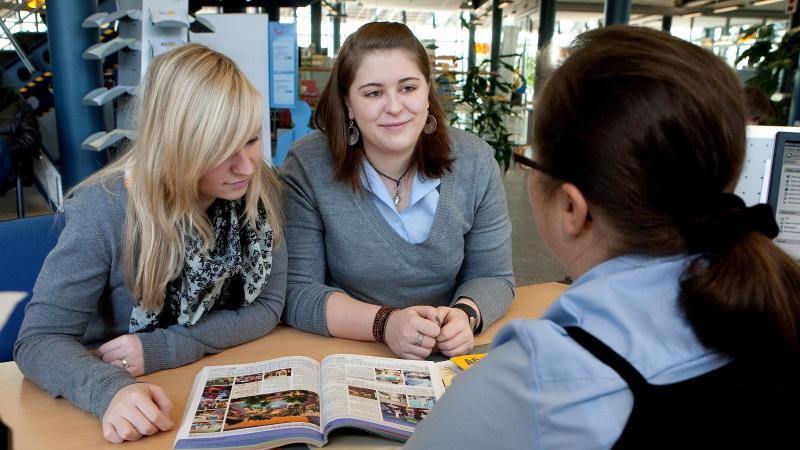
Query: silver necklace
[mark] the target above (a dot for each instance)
(396, 182)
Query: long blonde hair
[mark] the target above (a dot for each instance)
(196, 109)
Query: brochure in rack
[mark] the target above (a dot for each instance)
(299, 400)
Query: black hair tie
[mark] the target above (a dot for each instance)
(725, 223)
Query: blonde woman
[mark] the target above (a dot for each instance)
(170, 253)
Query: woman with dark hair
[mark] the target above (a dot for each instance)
(681, 328)
(398, 228)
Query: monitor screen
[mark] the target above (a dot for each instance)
(784, 191)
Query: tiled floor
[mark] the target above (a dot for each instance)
(533, 262)
(35, 204)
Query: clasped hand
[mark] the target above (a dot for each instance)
(414, 332)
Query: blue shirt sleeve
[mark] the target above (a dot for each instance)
(490, 406)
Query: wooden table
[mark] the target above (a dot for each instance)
(38, 421)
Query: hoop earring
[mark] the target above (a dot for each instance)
(430, 125)
(352, 134)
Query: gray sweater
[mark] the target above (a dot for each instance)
(80, 301)
(338, 240)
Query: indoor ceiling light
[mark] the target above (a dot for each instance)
(694, 14)
(765, 2)
(726, 9)
(694, 3)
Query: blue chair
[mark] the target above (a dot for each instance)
(301, 115)
(24, 243)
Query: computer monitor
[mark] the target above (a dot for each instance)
(753, 184)
(784, 191)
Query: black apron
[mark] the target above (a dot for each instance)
(753, 406)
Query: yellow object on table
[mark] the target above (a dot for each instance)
(467, 361)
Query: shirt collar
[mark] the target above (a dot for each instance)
(606, 289)
(372, 182)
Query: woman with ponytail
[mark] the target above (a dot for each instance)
(682, 326)
(171, 252)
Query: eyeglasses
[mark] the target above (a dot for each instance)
(531, 164)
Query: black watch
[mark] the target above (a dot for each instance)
(471, 313)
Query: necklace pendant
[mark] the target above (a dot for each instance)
(396, 201)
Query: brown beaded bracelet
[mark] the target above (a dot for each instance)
(379, 325)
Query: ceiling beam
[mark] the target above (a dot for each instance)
(668, 11)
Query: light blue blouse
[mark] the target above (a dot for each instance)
(413, 223)
(538, 388)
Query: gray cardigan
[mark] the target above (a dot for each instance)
(80, 301)
(338, 240)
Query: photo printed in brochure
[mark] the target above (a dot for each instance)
(275, 393)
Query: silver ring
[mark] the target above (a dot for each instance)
(124, 363)
(420, 337)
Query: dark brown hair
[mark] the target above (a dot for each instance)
(759, 111)
(432, 153)
(651, 129)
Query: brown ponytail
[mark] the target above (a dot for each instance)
(746, 303)
(651, 129)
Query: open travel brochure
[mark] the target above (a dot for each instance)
(299, 400)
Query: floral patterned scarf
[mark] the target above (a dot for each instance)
(231, 274)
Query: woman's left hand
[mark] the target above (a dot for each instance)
(455, 337)
(124, 351)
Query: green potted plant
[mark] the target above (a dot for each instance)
(775, 65)
(482, 106)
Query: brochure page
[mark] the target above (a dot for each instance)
(241, 405)
(383, 395)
